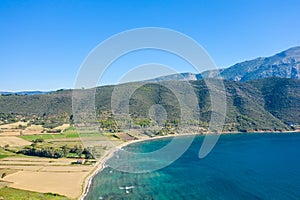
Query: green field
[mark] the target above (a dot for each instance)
(4, 154)
(13, 194)
(65, 135)
(50, 136)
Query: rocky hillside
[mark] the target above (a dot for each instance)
(283, 65)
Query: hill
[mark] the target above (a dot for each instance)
(281, 97)
(265, 104)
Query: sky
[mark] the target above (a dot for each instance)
(43, 43)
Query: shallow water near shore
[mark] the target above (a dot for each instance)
(241, 166)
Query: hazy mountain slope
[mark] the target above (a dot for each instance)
(176, 77)
(284, 65)
(25, 93)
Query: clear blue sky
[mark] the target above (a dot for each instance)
(43, 43)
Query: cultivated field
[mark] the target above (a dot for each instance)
(44, 175)
(22, 128)
(48, 175)
(12, 141)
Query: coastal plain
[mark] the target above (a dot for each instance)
(61, 176)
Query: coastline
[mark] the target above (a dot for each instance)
(99, 166)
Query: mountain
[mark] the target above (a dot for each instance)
(264, 104)
(285, 64)
(176, 77)
(25, 93)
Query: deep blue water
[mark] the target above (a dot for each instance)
(241, 166)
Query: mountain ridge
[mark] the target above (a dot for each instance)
(25, 92)
(285, 64)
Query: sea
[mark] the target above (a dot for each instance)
(240, 166)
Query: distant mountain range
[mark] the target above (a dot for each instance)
(285, 64)
(25, 93)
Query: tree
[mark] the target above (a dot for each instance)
(87, 153)
(77, 150)
(3, 175)
(65, 150)
(38, 140)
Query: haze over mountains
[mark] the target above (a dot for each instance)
(285, 64)
(25, 92)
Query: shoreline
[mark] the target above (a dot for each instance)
(100, 165)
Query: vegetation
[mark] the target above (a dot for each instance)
(56, 152)
(8, 118)
(45, 137)
(281, 97)
(4, 153)
(3, 175)
(12, 194)
(265, 104)
(42, 148)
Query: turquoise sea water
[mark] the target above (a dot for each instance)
(241, 166)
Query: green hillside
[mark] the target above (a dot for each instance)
(265, 104)
(281, 97)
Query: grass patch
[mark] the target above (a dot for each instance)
(48, 136)
(70, 128)
(65, 135)
(12, 194)
(4, 153)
